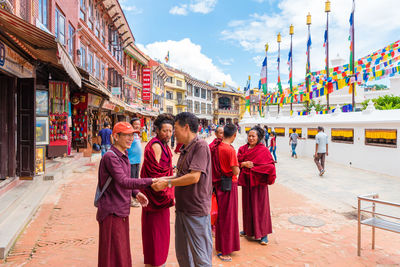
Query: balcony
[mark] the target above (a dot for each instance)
(227, 112)
(181, 102)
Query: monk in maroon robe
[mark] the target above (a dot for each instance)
(225, 163)
(219, 134)
(156, 216)
(257, 171)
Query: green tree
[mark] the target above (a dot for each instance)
(384, 102)
(318, 107)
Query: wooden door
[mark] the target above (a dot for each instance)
(26, 127)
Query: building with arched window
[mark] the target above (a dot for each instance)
(227, 104)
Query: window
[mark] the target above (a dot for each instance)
(82, 13)
(208, 94)
(97, 67)
(342, 135)
(169, 79)
(203, 93)
(90, 15)
(170, 109)
(60, 27)
(179, 83)
(190, 105)
(43, 5)
(103, 71)
(224, 103)
(179, 95)
(196, 107)
(381, 137)
(179, 110)
(71, 38)
(83, 57)
(103, 31)
(97, 29)
(190, 89)
(170, 95)
(280, 131)
(203, 108)
(311, 133)
(196, 91)
(90, 63)
(209, 111)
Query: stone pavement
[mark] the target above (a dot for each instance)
(64, 231)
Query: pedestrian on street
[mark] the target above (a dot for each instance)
(135, 154)
(193, 190)
(105, 138)
(155, 216)
(321, 150)
(272, 146)
(266, 137)
(293, 142)
(225, 168)
(257, 171)
(114, 205)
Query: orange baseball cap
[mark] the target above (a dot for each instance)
(123, 127)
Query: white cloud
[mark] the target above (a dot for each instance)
(188, 57)
(226, 62)
(179, 10)
(375, 26)
(130, 8)
(195, 6)
(203, 6)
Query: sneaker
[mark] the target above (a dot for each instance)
(322, 172)
(264, 241)
(242, 233)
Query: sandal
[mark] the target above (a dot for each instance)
(226, 258)
(242, 233)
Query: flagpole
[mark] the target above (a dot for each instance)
(327, 10)
(266, 72)
(353, 102)
(291, 32)
(308, 62)
(279, 64)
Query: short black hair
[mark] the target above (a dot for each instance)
(320, 128)
(294, 130)
(266, 127)
(165, 118)
(260, 133)
(134, 119)
(229, 130)
(184, 118)
(106, 124)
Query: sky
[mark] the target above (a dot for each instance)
(224, 40)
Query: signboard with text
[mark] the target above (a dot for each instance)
(146, 84)
(115, 90)
(13, 63)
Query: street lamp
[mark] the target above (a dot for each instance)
(308, 61)
(291, 32)
(327, 10)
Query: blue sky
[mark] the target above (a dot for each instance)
(223, 40)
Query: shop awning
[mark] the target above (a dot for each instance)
(42, 45)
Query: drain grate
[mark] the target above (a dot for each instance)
(306, 221)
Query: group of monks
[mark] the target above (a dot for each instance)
(252, 168)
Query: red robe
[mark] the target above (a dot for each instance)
(254, 182)
(156, 217)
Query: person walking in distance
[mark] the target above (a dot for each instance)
(106, 138)
(193, 190)
(272, 146)
(321, 150)
(266, 137)
(293, 142)
(113, 206)
(225, 169)
(135, 154)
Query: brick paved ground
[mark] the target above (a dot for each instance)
(64, 232)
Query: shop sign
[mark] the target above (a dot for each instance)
(108, 105)
(13, 63)
(116, 90)
(148, 109)
(94, 100)
(146, 84)
(134, 75)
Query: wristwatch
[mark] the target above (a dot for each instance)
(169, 184)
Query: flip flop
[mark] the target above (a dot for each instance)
(220, 256)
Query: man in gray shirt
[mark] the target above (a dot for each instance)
(193, 190)
(321, 150)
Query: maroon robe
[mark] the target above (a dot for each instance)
(156, 217)
(254, 182)
(227, 238)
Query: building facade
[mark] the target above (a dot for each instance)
(227, 104)
(175, 91)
